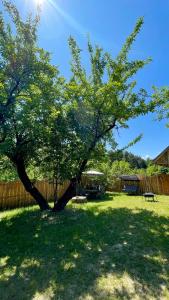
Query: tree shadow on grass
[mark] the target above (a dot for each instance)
(104, 198)
(108, 196)
(110, 254)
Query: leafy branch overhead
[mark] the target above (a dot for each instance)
(109, 90)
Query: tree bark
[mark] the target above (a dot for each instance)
(70, 192)
(29, 186)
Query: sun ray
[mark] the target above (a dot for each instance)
(69, 19)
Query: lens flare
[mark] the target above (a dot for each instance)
(67, 17)
(44, 4)
(39, 2)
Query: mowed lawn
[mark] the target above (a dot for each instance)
(117, 248)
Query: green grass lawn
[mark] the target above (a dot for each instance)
(117, 248)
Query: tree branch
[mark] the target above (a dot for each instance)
(92, 146)
(11, 98)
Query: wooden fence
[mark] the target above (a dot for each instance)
(13, 194)
(158, 184)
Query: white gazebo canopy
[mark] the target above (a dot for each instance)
(92, 173)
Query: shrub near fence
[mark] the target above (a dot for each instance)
(13, 194)
(116, 185)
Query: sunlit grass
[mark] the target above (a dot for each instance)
(116, 248)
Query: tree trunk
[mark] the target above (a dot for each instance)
(29, 186)
(70, 192)
(55, 189)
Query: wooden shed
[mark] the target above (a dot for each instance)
(163, 158)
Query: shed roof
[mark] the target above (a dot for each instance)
(129, 177)
(163, 158)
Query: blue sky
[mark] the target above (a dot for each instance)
(109, 22)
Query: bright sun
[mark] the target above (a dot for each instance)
(39, 2)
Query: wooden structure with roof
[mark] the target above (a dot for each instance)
(163, 158)
(91, 184)
(130, 184)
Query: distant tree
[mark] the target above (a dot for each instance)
(153, 170)
(135, 161)
(121, 168)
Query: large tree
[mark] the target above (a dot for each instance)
(61, 125)
(101, 102)
(28, 92)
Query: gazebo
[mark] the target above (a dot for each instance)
(92, 184)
